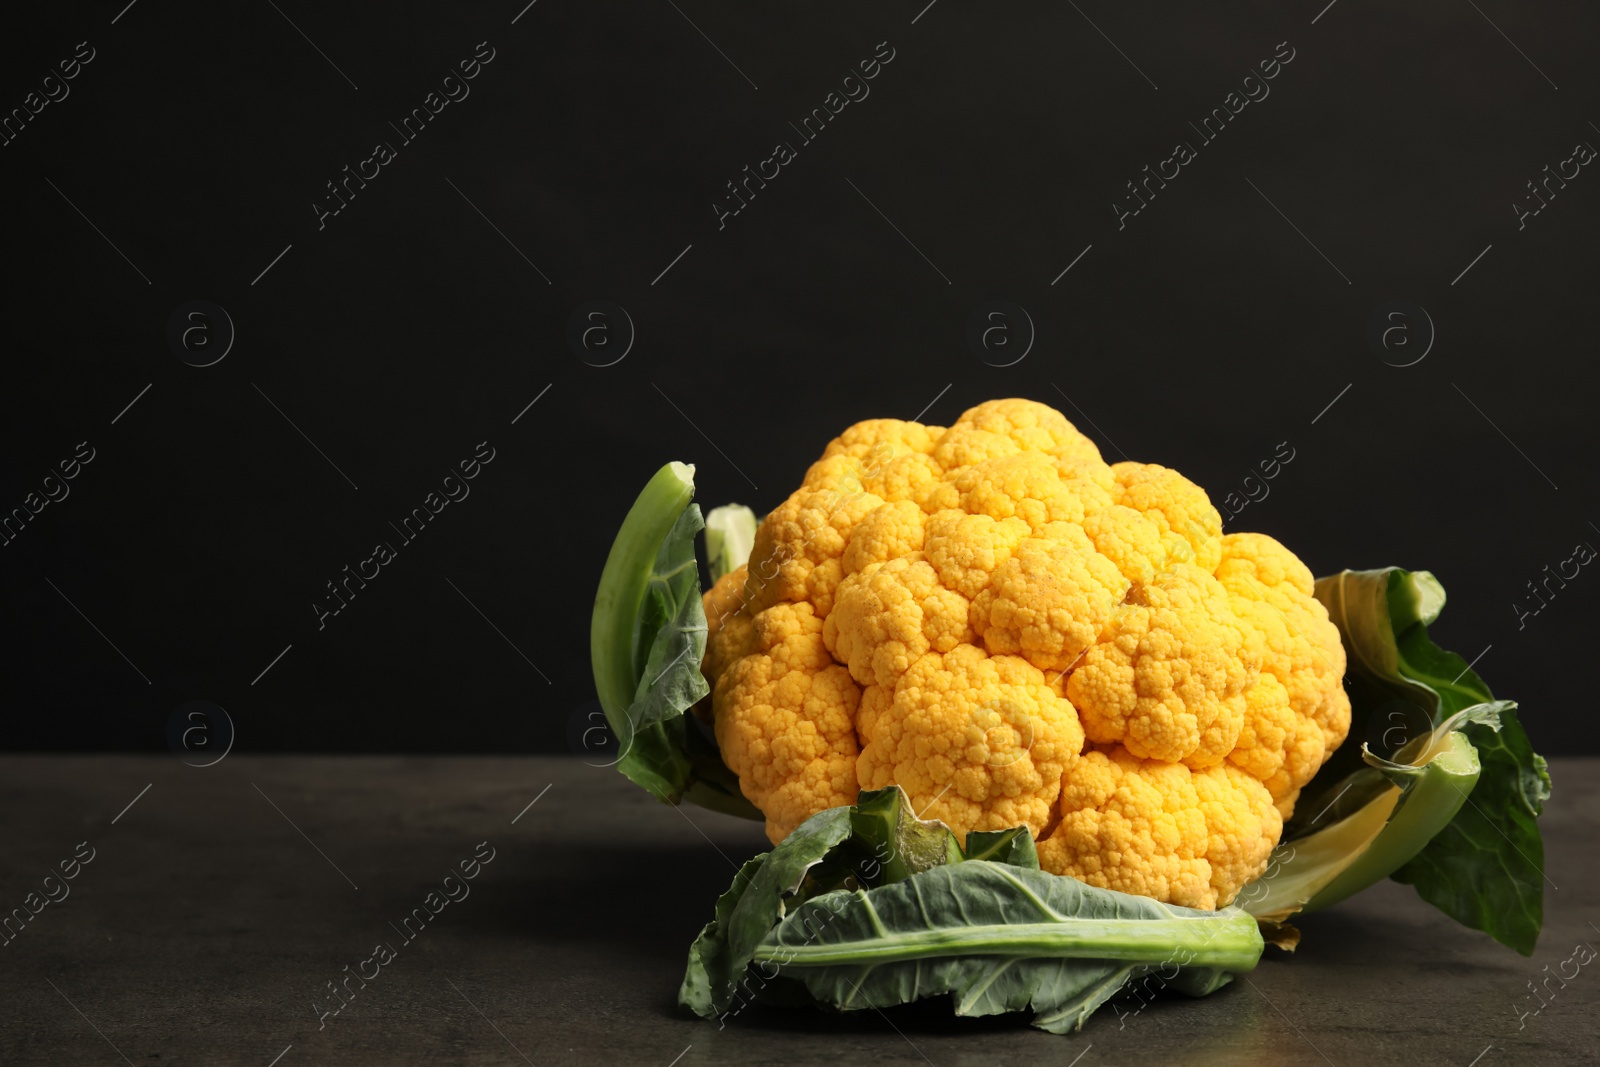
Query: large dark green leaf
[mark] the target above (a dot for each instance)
(762, 893)
(1486, 867)
(871, 906)
(998, 938)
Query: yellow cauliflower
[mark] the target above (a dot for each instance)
(785, 719)
(1167, 677)
(1017, 633)
(1302, 712)
(976, 741)
(1160, 830)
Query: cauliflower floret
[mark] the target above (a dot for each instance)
(872, 438)
(785, 720)
(891, 614)
(725, 597)
(1242, 828)
(1132, 825)
(966, 549)
(1271, 747)
(1257, 556)
(1032, 427)
(798, 548)
(1129, 540)
(1167, 678)
(889, 472)
(1190, 527)
(962, 446)
(1091, 478)
(1317, 688)
(977, 741)
(729, 631)
(1160, 830)
(892, 531)
(1027, 486)
(1291, 635)
(1050, 600)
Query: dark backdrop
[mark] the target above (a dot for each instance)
(379, 350)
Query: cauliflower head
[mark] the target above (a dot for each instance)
(1017, 633)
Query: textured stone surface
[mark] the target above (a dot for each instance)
(206, 925)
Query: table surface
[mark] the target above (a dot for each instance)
(217, 908)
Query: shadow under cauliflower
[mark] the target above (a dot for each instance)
(1016, 632)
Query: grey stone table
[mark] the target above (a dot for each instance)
(213, 913)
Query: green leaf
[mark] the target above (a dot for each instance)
(711, 957)
(1014, 846)
(1485, 868)
(999, 938)
(730, 535)
(671, 632)
(888, 843)
(870, 906)
(647, 637)
(759, 897)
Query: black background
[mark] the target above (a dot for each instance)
(408, 330)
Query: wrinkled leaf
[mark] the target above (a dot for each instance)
(711, 958)
(887, 843)
(1014, 846)
(871, 906)
(1486, 867)
(672, 630)
(760, 896)
(1000, 938)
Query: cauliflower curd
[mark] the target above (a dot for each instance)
(1015, 632)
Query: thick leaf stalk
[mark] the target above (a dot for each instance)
(614, 633)
(647, 637)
